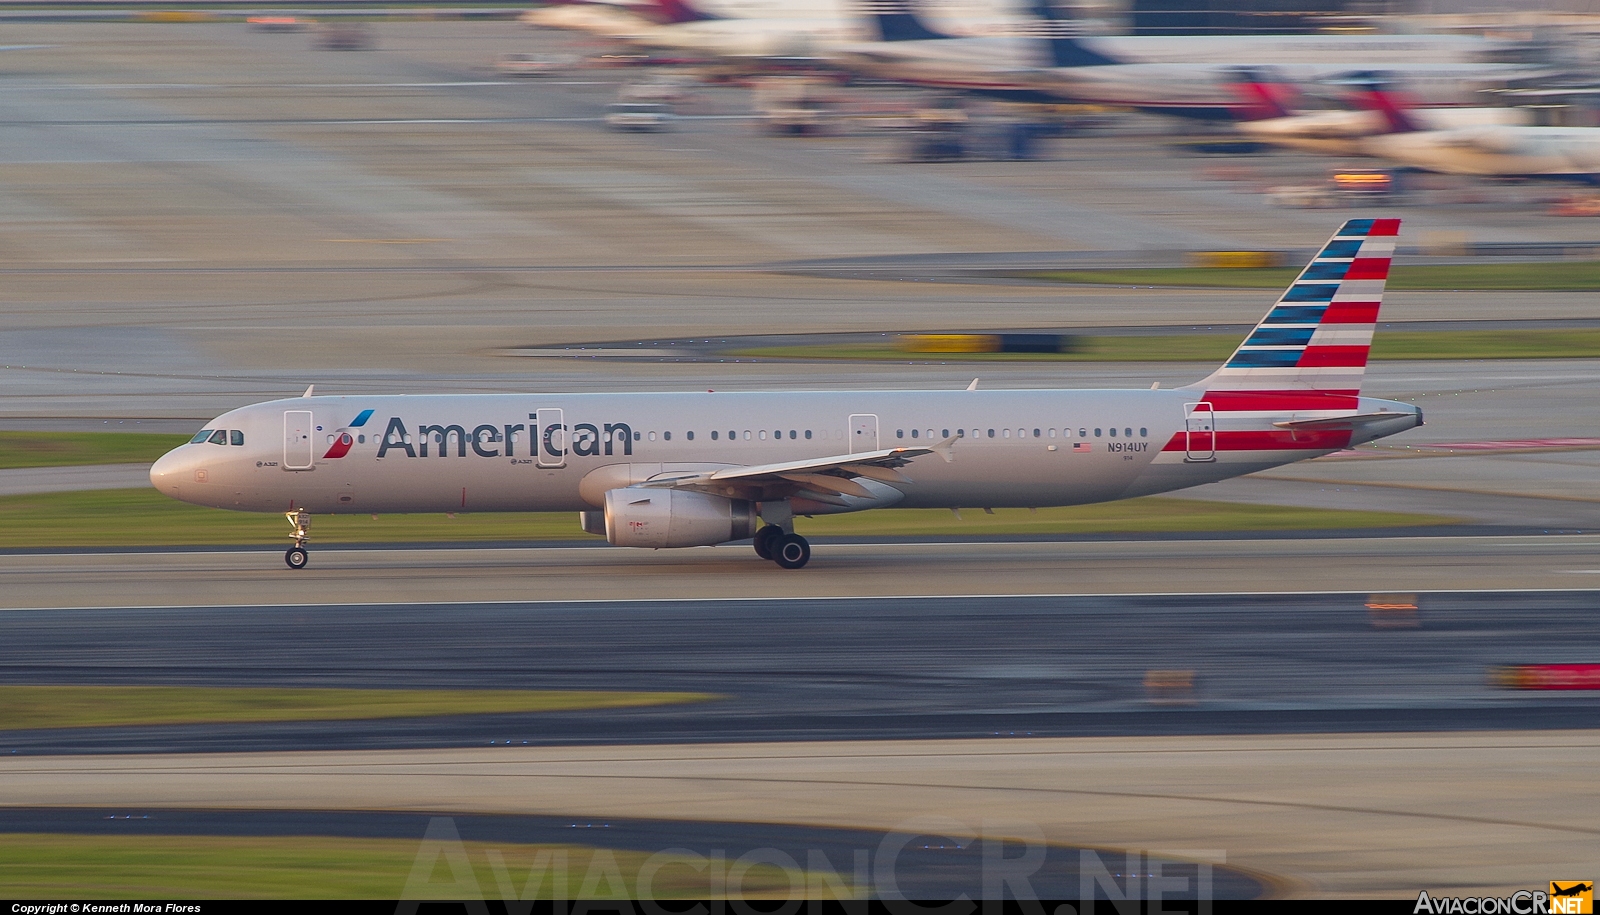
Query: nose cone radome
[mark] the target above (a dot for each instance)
(172, 470)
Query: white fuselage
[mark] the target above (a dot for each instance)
(1345, 132)
(1495, 151)
(562, 452)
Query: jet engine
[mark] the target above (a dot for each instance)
(650, 517)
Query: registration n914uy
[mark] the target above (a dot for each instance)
(691, 469)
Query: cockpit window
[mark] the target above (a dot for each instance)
(219, 437)
(237, 437)
(200, 436)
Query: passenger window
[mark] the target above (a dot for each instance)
(220, 437)
(793, 435)
(200, 436)
(1052, 432)
(1143, 432)
(652, 436)
(808, 435)
(746, 435)
(236, 437)
(1006, 433)
(1113, 431)
(360, 438)
(944, 433)
(1036, 433)
(899, 433)
(991, 433)
(666, 436)
(713, 435)
(913, 433)
(763, 435)
(1128, 433)
(1097, 433)
(690, 434)
(777, 435)
(1083, 433)
(637, 435)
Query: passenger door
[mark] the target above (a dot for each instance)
(1199, 433)
(297, 445)
(550, 437)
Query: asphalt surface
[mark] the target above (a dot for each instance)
(830, 669)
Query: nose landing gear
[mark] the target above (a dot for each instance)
(297, 557)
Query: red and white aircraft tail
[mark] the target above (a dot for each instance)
(1300, 369)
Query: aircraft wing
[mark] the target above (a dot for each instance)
(825, 479)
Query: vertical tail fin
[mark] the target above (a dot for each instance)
(1060, 33)
(1261, 95)
(673, 12)
(1310, 351)
(896, 21)
(1374, 93)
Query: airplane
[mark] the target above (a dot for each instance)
(1188, 77)
(1264, 115)
(1577, 889)
(690, 469)
(1486, 150)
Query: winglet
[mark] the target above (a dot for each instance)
(973, 386)
(945, 449)
(309, 389)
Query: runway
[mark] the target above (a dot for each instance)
(814, 668)
(1357, 562)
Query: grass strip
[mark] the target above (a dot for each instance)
(65, 449)
(1549, 276)
(26, 706)
(143, 517)
(1386, 345)
(56, 866)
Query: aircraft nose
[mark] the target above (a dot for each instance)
(171, 470)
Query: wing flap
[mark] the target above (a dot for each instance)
(826, 479)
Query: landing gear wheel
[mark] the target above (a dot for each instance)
(297, 557)
(792, 552)
(766, 539)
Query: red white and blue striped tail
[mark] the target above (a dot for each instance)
(1310, 351)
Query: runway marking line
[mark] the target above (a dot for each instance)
(782, 599)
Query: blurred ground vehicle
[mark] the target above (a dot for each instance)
(345, 37)
(793, 105)
(638, 116)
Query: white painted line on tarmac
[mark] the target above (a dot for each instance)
(343, 605)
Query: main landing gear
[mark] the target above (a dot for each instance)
(789, 551)
(297, 557)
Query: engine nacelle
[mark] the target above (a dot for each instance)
(673, 517)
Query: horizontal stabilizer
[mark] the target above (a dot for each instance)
(1337, 423)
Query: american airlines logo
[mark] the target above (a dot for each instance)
(494, 441)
